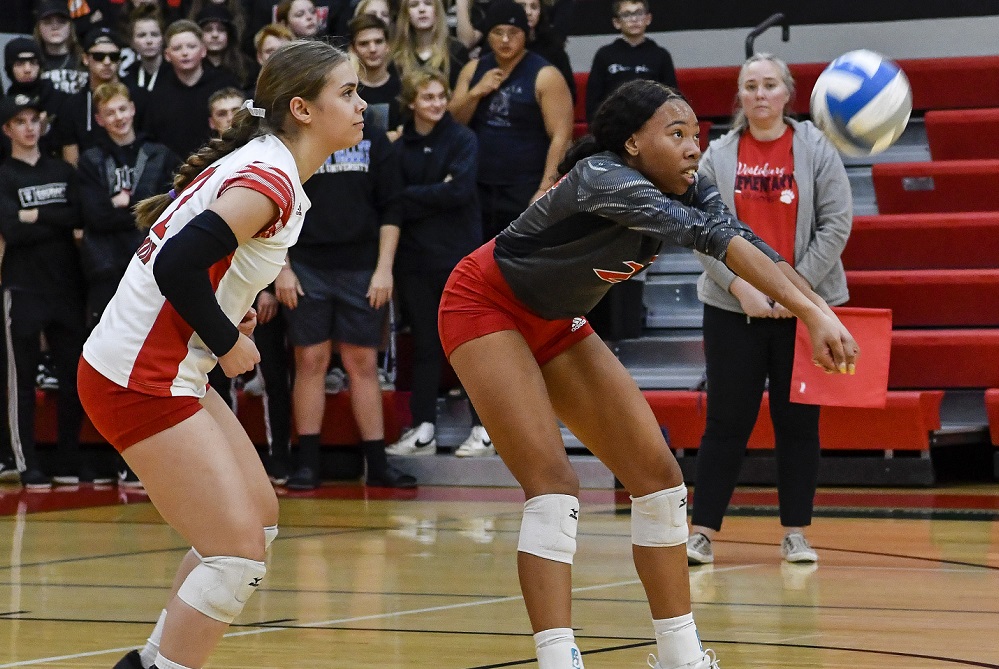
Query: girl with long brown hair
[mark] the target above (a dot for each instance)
(184, 304)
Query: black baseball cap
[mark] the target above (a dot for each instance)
(12, 105)
(100, 35)
(49, 7)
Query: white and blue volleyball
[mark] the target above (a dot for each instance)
(862, 102)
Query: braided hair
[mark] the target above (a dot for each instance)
(619, 117)
(297, 69)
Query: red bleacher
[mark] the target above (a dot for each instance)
(945, 358)
(957, 134)
(952, 240)
(339, 427)
(930, 297)
(937, 186)
(904, 423)
(992, 409)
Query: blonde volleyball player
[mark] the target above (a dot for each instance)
(184, 303)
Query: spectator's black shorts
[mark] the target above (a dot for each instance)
(335, 307)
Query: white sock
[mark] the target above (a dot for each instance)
(677, 641)
(152, 648)
(557, 649)
(163, 663)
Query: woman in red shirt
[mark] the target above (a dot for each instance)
(787, 182)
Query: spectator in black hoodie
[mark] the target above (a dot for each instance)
(177, 107)
(75, 128)
(62, 62)
(337, 287)
(123, 168)
(22, 59)
(42, 290)
(631, 56)
(441, 224)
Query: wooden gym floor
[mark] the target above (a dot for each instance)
(427, 578)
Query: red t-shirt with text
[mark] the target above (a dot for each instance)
(766, 194)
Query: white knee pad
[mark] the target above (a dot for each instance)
(270, 534)
(220, 586)
(548, 529)
(660, 519)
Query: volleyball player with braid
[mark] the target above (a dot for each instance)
(518, 304)
(184, 303)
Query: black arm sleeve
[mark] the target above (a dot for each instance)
(181, 272)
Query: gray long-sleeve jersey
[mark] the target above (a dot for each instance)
(601, 224)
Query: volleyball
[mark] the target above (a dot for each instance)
(862, 102)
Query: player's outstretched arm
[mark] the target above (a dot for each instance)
(833, 347)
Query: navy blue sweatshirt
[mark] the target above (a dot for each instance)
(441, 219)
(353, 194)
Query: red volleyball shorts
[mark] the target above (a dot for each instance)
(123, 416)
(478, 301)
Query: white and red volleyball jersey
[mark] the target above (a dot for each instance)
(141, 342)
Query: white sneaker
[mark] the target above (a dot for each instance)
(255, 386)
(699, 550)
(419, 440)
(386, 381)
(795, 548)
(708, 661)
(336, 381)
(477, 445)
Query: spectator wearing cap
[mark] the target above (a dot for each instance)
(42, 289)
(76, 128)
(62, 56)
(236, 9)
(186, 86)
(22, 57)
(222, 42)
(520, 109)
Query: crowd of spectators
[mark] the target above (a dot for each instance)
(107, 97)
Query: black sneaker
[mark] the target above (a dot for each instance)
(33, 479)
(131, 661)
(277, 470)
(128, 479)
(389, 478)
(304, 479)
(8, 472)
(89, 476)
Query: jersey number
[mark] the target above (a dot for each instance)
(145, 251)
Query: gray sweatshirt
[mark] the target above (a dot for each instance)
(825, 215)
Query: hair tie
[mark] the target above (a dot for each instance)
(172, 194)
(259, 112)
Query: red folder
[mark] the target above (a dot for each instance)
(868, 388)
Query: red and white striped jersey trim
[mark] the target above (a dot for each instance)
(270, 182)
(141, 342)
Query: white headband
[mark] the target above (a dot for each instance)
(254, 111)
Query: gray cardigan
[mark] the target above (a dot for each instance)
(825, 215)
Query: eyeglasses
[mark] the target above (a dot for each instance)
(637, 14)
(106, 57)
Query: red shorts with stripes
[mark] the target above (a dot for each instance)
(478, 301)
(123, 416)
